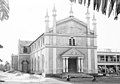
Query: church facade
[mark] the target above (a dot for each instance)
(69, 46)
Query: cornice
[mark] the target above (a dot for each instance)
(68, 35)
(81, 47)
(23, 54)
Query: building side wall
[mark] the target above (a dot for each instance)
(37, 61)
(14, 62)
(50, 60)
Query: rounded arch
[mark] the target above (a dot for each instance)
(25, 66)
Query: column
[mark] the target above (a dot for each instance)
(66, 64)
(116, 58)
(105, 69)
(79, 64)
(109, 60)
(104, 58)
(63, 64)
(116, 68)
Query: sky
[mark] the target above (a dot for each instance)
(27, 22)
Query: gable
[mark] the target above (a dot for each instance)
(69, 19)
(71, 26)
(72, 52)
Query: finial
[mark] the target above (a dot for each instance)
(54, 11)
(94, 19)
(87, 13)
(94, 16)
(71, 11)
(19, 39)
(94, 23)
(46, 17)
(47, 13)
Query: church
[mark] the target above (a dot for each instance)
(69, 46)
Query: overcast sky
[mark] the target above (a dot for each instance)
(26, 22)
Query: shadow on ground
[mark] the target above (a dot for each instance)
(99, 80)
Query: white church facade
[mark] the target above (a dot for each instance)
(69, 46)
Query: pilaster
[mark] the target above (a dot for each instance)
(96, 63)
(47, 60)
(89, 56)
(54, 60)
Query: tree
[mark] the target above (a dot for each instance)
(1, 46)
(4, 10)
(7, 66)
(103, 4)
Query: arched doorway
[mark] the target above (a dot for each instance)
(25, 66)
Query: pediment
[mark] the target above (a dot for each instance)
(71, 26)
(73, 52)
(71, 19)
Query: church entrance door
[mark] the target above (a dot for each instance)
(25, 66)
(72, 65)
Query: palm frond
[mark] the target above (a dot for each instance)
(4, 10)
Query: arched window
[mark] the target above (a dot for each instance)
(25, 49)
(72, 41)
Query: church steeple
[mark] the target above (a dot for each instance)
(71, 11)
(54, 19)
(47, 22)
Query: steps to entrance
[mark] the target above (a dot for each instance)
(76, 75)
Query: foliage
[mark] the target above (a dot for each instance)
(4, 10)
